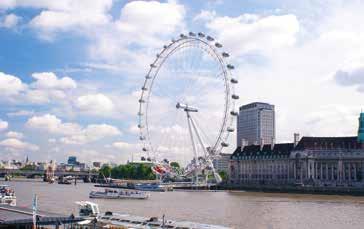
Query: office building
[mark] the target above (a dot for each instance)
(256, 124)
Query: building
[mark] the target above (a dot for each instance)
(222, 163)
(72, 160)
(256, 124)
(316, 161)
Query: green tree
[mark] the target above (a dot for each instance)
(28, 167)
(224, 176)
(105, 171)
(175, 165)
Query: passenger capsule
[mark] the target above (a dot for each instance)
(141, 138)
(234, 96)
(144, 88)
(183, 36)
(233, 80)
(165, 46)
(140, 113)
(145, 149)
(229, 66)
(201, 34)
(230, 129)
(140, 126)
(192, 34)
(158, 55)
(225, 54)
(234, 113)
(218, 45)
(153, 66)
(148, 77)
(224, 144)
(173, 40)
(141, 101)
(210, 38)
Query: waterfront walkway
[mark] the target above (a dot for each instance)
(23, 218)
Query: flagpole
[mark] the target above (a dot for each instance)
(35, 206)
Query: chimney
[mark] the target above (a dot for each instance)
(296, 139)
(272, 144)
(244, 143)
(261, 144)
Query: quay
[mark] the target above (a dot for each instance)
(22, 218)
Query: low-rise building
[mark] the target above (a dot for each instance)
(222, 162)
(317, 161)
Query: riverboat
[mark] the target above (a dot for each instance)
(150, 187)
(119, 194)
(90, 211)
(7, 195)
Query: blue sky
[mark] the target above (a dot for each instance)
(71, 71)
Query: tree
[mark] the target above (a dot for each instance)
(224, 176)
(175, 165)
(105, 171)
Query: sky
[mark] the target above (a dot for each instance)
(71, 71)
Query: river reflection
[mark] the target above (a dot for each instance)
(249, 210)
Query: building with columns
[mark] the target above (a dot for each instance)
(316, 161)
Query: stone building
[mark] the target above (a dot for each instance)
(222, 162)
(316, 161)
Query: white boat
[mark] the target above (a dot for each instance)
(7, 195)
(119, 194)
(90, 211)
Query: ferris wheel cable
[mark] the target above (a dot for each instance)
(198, 137)
(202, 130)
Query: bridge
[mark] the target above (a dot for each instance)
(33, 173)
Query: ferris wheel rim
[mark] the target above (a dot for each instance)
(152, 74)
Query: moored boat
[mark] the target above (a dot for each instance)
(119, 194)
(7, 195)
(90, 211)
(150, 187)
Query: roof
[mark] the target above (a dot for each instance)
(11, 215)
(306, 143)
(267, 150)
(317, 143)
(257, 104)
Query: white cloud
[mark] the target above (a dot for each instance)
(52, 124)
(14, 134)
(47, 87)
(69, 15)
(52, 140)
(72, 133)
(254, 33)
(205, 15)
(122, 145)
(138, 26)
(17, 144)
(10, 21)
(353, 77)
(3, 125)
(10, 85)
(49, 80)
(98, 104)
(20, 113)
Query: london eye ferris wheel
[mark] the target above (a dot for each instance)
(187, 102)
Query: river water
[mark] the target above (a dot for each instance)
(248, 210)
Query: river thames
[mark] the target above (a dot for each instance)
(249, 210)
